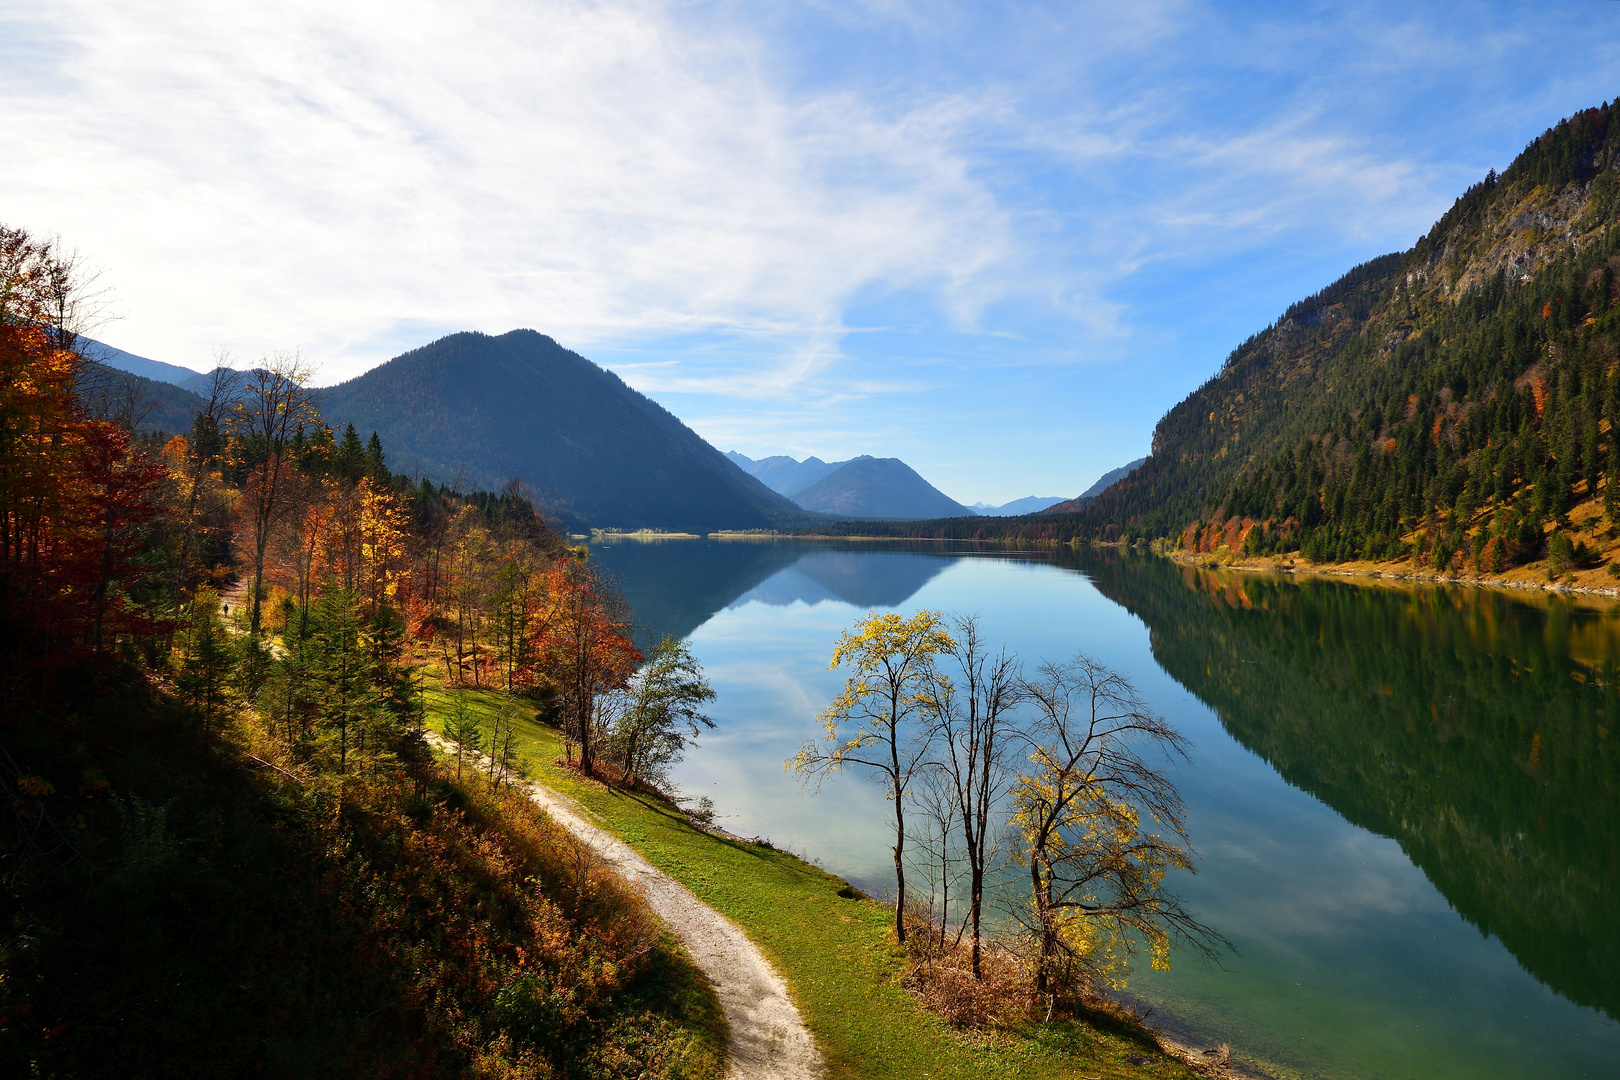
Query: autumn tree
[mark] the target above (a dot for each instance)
(195, 467)
(519, 609)
(273, 402)
(585, 649)
(881, 720)
(76, 496)
(1101, 826)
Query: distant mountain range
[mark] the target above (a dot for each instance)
(783, 474)
(475, 411)
(156, 370)
(1029, 504)
(862, 487)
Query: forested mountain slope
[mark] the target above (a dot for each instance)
(149, 405)
(1473, 371)
(1429, 402)
(479, 410)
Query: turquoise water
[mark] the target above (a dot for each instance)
(1404, 800)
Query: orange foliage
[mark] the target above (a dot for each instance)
(73, 494)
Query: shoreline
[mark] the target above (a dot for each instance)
(1403, 573)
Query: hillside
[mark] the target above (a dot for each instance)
(869, 487)
(149, 404)
(1111, 477)
(1426, 404)
(476, 410)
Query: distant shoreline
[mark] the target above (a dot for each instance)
(1519, 580)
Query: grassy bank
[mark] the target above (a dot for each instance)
(835, 952)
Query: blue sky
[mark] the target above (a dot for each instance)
(998, 241)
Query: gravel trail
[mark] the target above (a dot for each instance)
(768, 1040)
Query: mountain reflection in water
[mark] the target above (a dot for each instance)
(1480, 731)
(675, 586)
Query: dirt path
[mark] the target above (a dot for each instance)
(768, 1040)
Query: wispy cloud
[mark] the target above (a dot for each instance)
(1000, 238)
(328, 170)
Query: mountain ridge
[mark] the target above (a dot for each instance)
(476, 410)
(155, 370)
(877, 488)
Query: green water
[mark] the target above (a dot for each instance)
(1404, 799)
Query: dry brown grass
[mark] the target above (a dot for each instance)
(939, 973)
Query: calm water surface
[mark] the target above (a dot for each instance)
(1405, 800)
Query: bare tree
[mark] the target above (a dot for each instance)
(1101, 827)
(976, 711)
(273, 401)
(50, 287)
(941, 866)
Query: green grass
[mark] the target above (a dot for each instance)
(837, 955)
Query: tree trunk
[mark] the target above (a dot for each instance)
(899, 863)
(975, 906)
(587, 753)
(1041, 914)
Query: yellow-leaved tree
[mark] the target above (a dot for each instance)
(881, 720)
(1100, 825)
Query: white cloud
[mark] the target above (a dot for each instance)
(919, 227)
(327, 172)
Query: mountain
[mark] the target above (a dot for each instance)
(1460, 389)
(200, 383)
(1029, 504)
(155, 370)
(476, 410)
(869, 487)
(783, 474)
(1453, 402)
(875, 488)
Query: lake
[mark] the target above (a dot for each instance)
(1404, 799)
